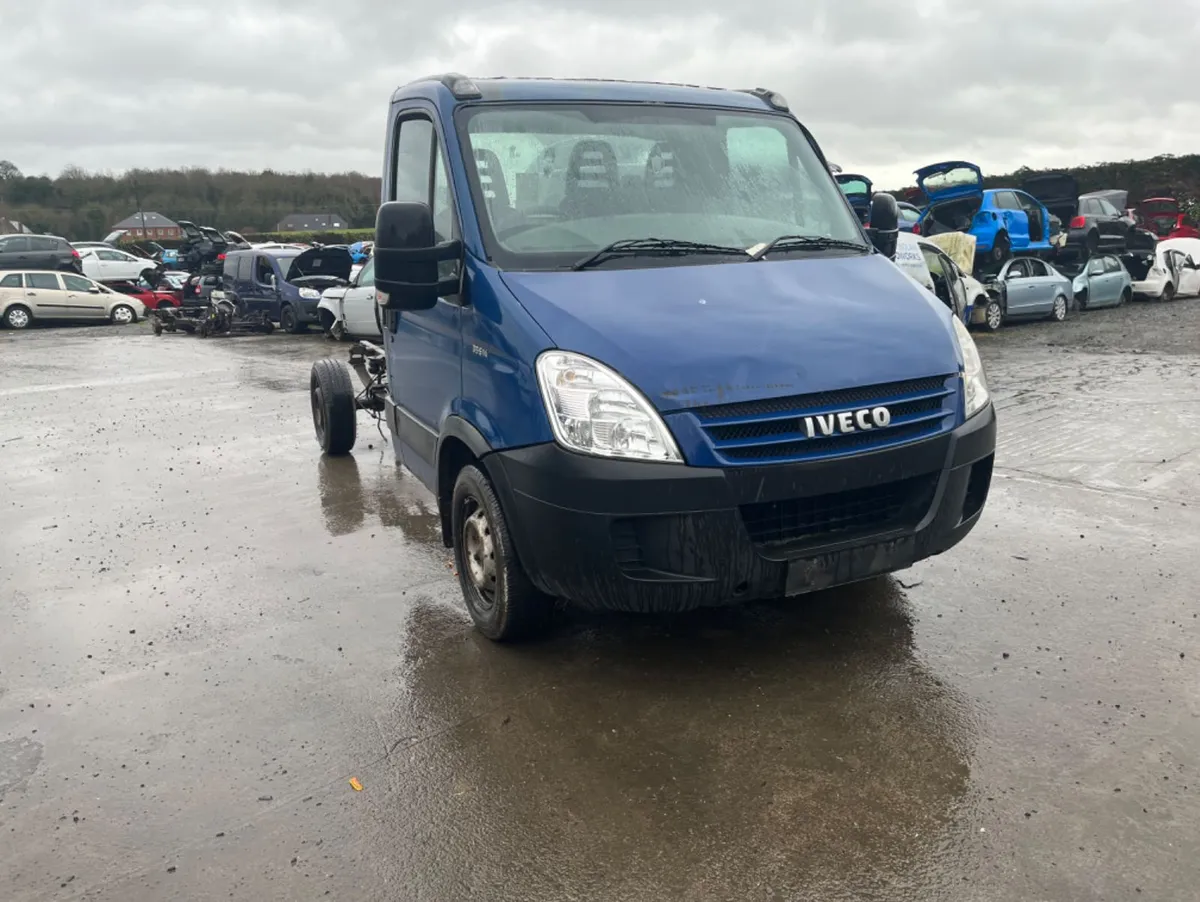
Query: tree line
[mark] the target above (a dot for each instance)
(83, 206)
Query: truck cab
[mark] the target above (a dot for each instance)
(646, 357)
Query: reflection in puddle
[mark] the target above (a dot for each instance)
(800, 745)
(395, 501)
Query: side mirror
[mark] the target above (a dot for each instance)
(93, 290)
(884, 224)
(407, 257)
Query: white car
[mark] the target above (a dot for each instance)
(29, 295)
(112, 265)
(351, 310)
(932, 267)
(1172, 271)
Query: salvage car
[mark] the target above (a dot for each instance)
(722, 392)
(285, 285)
(1004, 221)
(152, 298)
(858, 190)
(1168, 272)
(1101, 281)
(351, 310)
(1028, 287)
(910, 216)
(982, 308)
(1165, 218)
(1093, 222)
(111, 265)
(30, 296)
(37, 252)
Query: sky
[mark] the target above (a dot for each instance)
(885, 87)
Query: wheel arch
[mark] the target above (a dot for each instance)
(459, 445)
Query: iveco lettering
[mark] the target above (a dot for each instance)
(593, 433)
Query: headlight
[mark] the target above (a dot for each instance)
(310, 294)
(974, 380)
(594, 411)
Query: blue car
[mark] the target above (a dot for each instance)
(285, 285)
(910, 217)
(645, 357)
(1004, 221)
(859, 191)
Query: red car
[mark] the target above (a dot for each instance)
(1163, 217)
(153, 298)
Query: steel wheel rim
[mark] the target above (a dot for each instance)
(479, 555)
(122, 316)
(18, 319)
(993, 315)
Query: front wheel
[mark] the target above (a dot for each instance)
(993, 316)
(123, 315)
(1126, 297)
(1059, 313)
(1169, 292)
(333, 410)
(289, 322)
(500, 597)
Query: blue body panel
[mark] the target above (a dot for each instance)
(687, 336)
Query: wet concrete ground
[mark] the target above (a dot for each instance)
(207, 631)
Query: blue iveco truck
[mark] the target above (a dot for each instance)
(646, 356)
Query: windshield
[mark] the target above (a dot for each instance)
(555, 183)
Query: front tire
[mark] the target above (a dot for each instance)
(1126, 297)
(993, 315)
(501, 599)
(122, 315)
(288, 321)
(1059, 313)
(332, 395)
(18, 317)
(1169, 292)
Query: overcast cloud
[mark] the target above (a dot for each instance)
(884, 86)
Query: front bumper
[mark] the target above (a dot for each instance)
(638, 536)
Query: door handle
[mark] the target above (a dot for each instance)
(31, 294)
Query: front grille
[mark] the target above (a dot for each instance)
(775, 430)
(841, 515)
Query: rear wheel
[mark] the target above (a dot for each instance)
(1001, 248)
(500, 597)
(993, 317)
(1169, 292)
(1059, 312)
(332, 395)
(123, 315)
(17, 317)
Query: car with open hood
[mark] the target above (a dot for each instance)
(676, 376)
(1171, 270)
(1094, 222)
(1004, 221)
(350, 311)
(859, 191)
(285, 284)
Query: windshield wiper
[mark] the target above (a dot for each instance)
(806, 242)
(655, 247)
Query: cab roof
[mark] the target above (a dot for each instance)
(441, 87)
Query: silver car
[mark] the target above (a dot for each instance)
(1032, 288)
(1102, 282)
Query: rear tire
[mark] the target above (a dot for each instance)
(122, 315)
(1169, 292)
(1001, 249)
(1059, 313)
(501, 599)
(334, 413)
(18, 317)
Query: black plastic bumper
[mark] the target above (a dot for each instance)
(659, 537)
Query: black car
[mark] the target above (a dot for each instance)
(38, 252)
(1093, 221)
